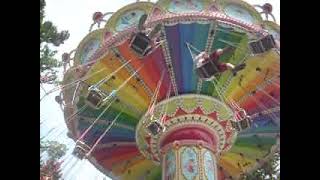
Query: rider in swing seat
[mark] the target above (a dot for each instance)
(209, 65)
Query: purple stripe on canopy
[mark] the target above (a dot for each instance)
(173, 38)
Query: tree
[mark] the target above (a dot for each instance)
(54, 149)
(51, 166)
(269, 170)
(51, 169)
(49, 36)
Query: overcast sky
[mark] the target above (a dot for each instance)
(76, 17)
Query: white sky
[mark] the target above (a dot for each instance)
(76, 17)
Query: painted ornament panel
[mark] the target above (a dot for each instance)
(189, 163)
(182, 6)
(240, 13)
(209, 167)
(89, 49)
(170, 166)
(128, 19)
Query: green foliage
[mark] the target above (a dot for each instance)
(47, 60)
(49, 36)
(51, 166)
(54, 149)
(42, 5)
(269, 171)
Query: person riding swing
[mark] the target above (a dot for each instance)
(209, 65)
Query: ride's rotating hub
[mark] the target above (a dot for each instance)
(192, 121)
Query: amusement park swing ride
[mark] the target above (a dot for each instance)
(175, 89)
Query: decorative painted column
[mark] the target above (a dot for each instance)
(194, 131)
(188, 160)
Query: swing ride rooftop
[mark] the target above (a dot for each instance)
(204, 25)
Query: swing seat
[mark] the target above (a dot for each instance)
(256, 47)
(245, 123)
(80, 150)
(268, 42)
(242, 124)
(155, 128)
(240, 115)
(235, 125)
(58, 99)
(262, 45)
(95, 97)
(207, 70)
(140, 44)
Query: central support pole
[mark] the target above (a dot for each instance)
(189, 139)
(190, 160)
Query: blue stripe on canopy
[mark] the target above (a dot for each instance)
(177, 36)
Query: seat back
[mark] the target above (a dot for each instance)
(268, 42)
(95, 97)
(155, 128)
(262, 45)
(256, 47)
(80, 150)
(242, 124)
(207, 70)
(140, 44)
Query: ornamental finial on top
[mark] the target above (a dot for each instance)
(98, 18)
(267, 10)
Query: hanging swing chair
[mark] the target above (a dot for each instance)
(209, 67)
(97, 98)
(80, 150)
(155, 127)
(242, 121)
(262, 45)
(58, 99)
(141, 43)
(207, 70)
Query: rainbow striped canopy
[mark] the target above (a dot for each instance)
(206, 26)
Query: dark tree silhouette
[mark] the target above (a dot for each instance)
(49, 36)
